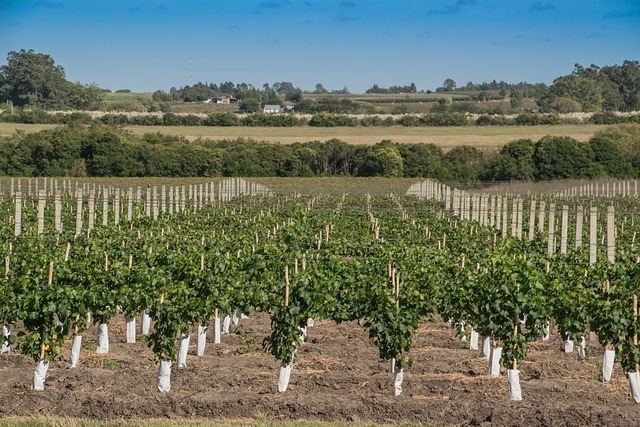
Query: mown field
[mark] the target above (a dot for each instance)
(483, 137)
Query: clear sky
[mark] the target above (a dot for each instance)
(145, 45)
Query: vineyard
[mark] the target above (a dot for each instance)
(222, 299)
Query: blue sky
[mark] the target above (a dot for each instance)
(145, 45)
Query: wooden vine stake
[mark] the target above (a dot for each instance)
(593, 234)
(50, 280)
(78, 212)
(515, 334)
(18, 216)
(579, 222)
(397, 289)
(41, 205)
(286, 288)
(611, 234)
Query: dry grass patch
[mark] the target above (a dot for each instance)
(482, 137)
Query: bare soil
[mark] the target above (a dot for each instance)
(337, 376)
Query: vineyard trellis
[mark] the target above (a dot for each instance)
(189, 256)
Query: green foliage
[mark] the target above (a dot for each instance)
(33, 79)
(383, 159)
(611, 157)
(611, 88)
(563, 157)
(109, 150)
(464, 164)
(514, 162)
(515, 99)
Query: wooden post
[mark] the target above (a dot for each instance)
(498, 222)
(541, 216)
(42, 201)
(116, 207)
(286, 288)
(520, 208)
(564, 229)
(147, 202)
(593, 235)
(505, 210)
(130, 204)
(18, 216)
(492, 211)
(92, 209)
(78, 211)
(163, 193)
(155, 203)
(579, 220)
(105, 206)
(58, 212)
(551, 247)
(532, 219)
(611, 238)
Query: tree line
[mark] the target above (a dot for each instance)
(33, 79)
(104, 150)
(438, 117)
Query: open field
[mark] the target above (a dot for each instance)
(482, 137)
(123, 96)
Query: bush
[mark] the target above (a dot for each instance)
(324, 119)
(606, 118)
(409, 121)
(83, 118)
(270, 120)
(221, 119)
(114, 119)
(146, 120)
(371, 121)
(532, 119)
(486, 120)
(445, 119)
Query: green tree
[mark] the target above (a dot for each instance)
(559, 157)
(465, 164)
(626, 78)
(449, 85)
(82, 97)
(608, 154)
(320, 89)
(514, 162)
(564, 105)
(421, 160)
(104, 152)
(250, 105)
(515, 99)
(483, 96)
(383, 159)
(32, 78)
(581, 89)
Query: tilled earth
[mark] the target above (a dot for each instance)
(337, 376)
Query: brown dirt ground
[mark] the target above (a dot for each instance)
(337, 376)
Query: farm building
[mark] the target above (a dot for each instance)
(272, 109)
